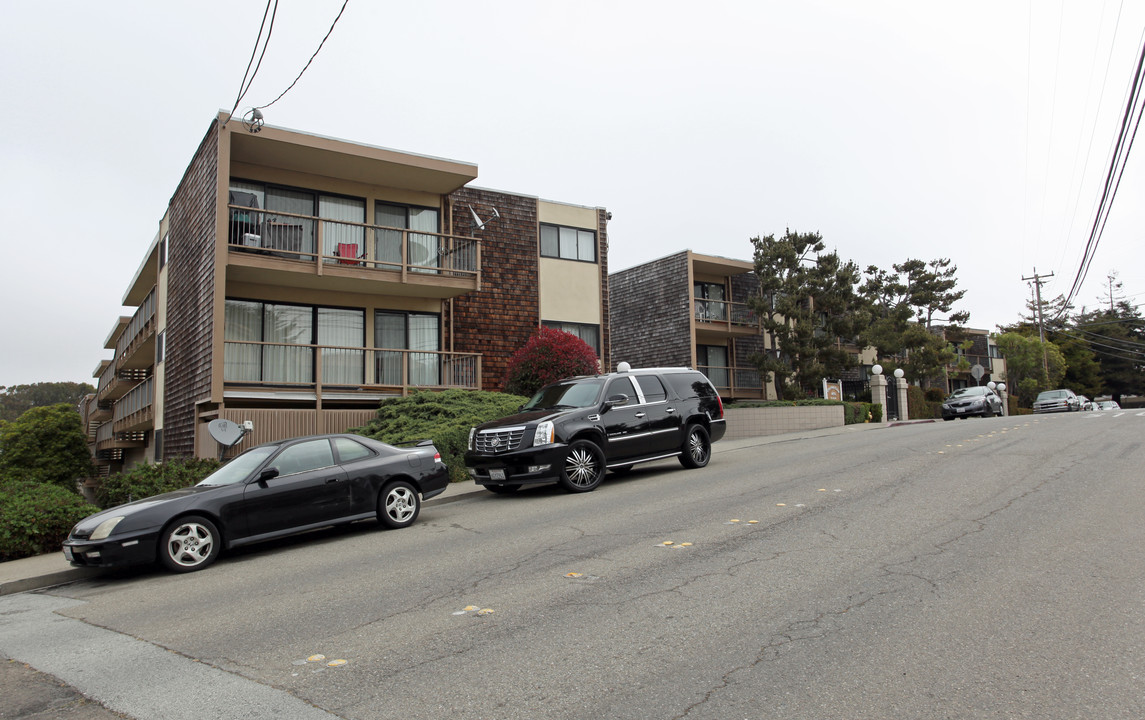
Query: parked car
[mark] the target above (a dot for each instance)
(1056, 401)
(1084, 403)
(977, 400)
(269, 491)
(570, 432)
(1107, 405)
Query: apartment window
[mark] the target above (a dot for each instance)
(587, 332)
(272, 343)
(568, 243)
(160, 346)
(417, 333)
(163, 245)
(710, 298)
(424, 251)
(713, 362)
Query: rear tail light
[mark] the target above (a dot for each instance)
(720, 400)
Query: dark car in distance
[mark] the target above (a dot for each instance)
(976, 400)
(572, 431)
(272, 490)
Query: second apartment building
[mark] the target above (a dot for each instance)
(296, 280)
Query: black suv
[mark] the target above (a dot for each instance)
(570, 432)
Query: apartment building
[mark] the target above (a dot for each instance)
(296, 280)
(690, 310)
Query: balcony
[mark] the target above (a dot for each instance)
(282, 371)
(723, 318)
(109, 444)
(135, 348)
(133, 412)
(735, 383)
(305, 251)
(114, 384)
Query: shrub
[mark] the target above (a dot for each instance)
(548, 356)
(918, 407)
(935, 395)
(45, 445)
(146, 480)
(35, 518)
(445, 417)
(861, 412)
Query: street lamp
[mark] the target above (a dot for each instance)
(899, 373)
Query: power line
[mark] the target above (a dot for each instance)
(336, 19)
(244, 86)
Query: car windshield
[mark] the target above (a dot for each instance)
(1051, 395)
(967, 391)
(572, 394)
(240, 468)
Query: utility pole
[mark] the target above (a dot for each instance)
(1041, 323)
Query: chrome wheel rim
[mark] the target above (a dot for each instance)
(697, 447)
(400, 504)
(190, 544)
(581, 467)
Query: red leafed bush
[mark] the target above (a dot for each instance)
(548, 356)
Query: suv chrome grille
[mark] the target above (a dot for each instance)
(499, 440)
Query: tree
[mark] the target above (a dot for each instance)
(549, 355)
(1117, 340)
(18, 399)
(1027, 362)
(45, 445)
(807, 303)
(931, 290)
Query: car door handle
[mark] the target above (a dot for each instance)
(639, 414)
(670, 410)
(331, 481)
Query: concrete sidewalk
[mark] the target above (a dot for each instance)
(43, 571)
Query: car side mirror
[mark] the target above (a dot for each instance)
(268, 474)
(616, 401)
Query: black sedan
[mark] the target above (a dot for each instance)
(978, 400)
(268, 491)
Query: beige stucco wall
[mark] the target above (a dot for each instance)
(569, 290)
(758, 422)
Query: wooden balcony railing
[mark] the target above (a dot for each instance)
(729, 314)
(142, 324)
(389, 371)
(734, 381)
(339, 243)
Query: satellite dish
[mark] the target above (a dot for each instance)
(225, 432)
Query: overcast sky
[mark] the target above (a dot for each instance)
(975, 130)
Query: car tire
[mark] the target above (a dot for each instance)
(398, 505)
(189, 543)
(503, 489)
(697, 450)
(583, 467)
(948, 419)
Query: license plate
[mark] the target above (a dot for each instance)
(496, 474)
(68, 553)
(961, 409)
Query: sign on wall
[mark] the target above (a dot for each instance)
(832, 389)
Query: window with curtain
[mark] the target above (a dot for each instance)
(713, 362)
(568, 243)
(242, 323)
(289, 328)
(338, 238)
(589, 333)
(418, 333)
(423, 250)
(344, 330)
(710, 301)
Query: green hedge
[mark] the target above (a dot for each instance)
(35, 518)
(444, 417)
(146, 480)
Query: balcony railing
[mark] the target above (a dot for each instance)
(371, 369)
(722, 312)
(141, 324)
(134, 408)
(339, 243)
(734, 382)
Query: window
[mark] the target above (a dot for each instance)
(713, 362)
(424, 251)
(568, 243)
(163, 246)
(589, 333)
(309, 455)
(160, 346)
(418, 333)
(652, 388)
(351, 450)
(290, 235)
(272, 343)
(710, 301)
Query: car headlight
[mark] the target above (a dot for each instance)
(106, 527)
(544, 434)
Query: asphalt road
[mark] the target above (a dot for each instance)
(972, 569)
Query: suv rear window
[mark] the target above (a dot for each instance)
(689, 385)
